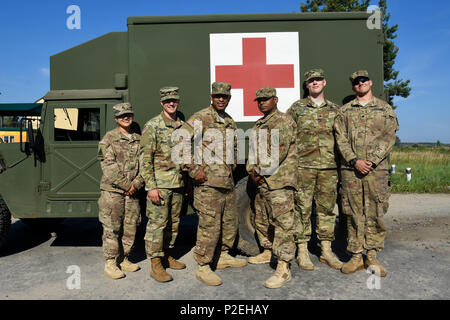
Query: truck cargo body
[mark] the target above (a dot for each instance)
(177, 51)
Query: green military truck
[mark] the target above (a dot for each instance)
(55, 172)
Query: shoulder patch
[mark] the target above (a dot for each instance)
(103, 142)
(191, 122)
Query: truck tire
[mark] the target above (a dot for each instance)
(247, 242)
(5, 222)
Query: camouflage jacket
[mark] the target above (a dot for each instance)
(286, 175)
(119, 159)
(157, 167)
(219, 173)
(366, 133)
(315, 134)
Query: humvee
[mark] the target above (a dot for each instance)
(53, 172)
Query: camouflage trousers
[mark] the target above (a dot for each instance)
(163, 221)
(120, 216)
(274, 221)
(217, 220)
(365, 201)
(319, 185)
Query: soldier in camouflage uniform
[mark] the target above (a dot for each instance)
(274, 201)
(214, 196)
(365, 134)
(119, 211)
(317, 170)
(164, 184)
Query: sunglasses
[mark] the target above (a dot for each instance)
(126, 115)
(218, 96)
(314, 79)
(359, 79)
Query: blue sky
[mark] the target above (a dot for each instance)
(32, 31)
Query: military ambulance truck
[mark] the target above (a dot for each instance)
(54, 172)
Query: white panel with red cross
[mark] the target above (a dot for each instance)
(250, 61)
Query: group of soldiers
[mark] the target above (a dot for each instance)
(317, 143)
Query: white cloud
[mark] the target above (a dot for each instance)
(45, 71)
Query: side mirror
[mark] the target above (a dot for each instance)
(29, 144)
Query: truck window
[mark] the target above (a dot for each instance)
(77, 124)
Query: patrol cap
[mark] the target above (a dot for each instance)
(314, 73)
(122, 108)
(359, 73)
(167, 93)
(266, 92)
(221, 88)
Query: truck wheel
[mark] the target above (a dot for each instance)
(5, 222)
(43, 224)
(247, 242)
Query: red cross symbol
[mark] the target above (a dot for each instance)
(255, 73)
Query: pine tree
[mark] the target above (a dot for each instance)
(392, 85)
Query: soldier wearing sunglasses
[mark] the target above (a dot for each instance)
(365, 134)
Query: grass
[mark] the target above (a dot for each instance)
(430, 169)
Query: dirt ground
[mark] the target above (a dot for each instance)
(421, 220)
(416, 255)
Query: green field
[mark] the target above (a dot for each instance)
(430, 168)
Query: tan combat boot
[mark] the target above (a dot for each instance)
(371, 261)
(126, 265)
(263, 257)
(157, 271)
(280, 277)
(355, 264)
(226, 261)
(207, 276)
(328, 256)
(303, 260)
(112, 271)
(172, 263)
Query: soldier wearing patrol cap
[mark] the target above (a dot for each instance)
(317, 170)
(365, 134)
(164, 184)
(274, 200)
(118, 153)
(214, 197)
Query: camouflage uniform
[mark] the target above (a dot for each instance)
(274, 200)
(365, 133)
(119, 213)
(160, 172)
(214, 200)
(317, 169)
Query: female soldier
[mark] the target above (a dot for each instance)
(118, 205)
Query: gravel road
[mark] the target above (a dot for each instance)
(38, 265)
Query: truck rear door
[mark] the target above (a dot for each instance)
(70, 179)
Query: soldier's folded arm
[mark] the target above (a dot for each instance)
(111, 168)
(253, 172)
(385, 145)
(342, 139)
(138, 182)
(147, 150)
(251, 168)
(287, 137)
(192, 169)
